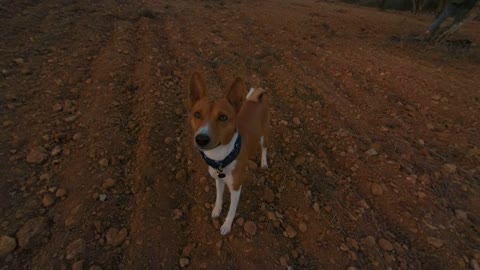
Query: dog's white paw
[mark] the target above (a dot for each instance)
(216, 211)
(226, 227)
(264, 165)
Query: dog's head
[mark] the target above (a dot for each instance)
(214, 121)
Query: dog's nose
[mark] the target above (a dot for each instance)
(202, 140)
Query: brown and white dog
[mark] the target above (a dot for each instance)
(227, 132)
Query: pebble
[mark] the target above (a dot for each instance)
(48, 200)
(297, 121)
(116, 237)
(56, 150)
(363, 204)
(61, 192)
(57, 107)
(268, 195)
(299, 161)
(7, 123)
(283, 123)
(316, 207)
(302, 226)
(77, 136)
(385, 244)
(270, 215)
(76, 248)
(184, 262)
(283, 261)
(7, 245)
(438, 243)
(168, 140)
(75, 215)
(33, 232)
(376, 189)
(37, 155)
(372, 152)
(449, 168)
(78, 265)
(291, 233)
(250, 227)
(460, 214)
(109, 183)
(424, 179)
(181, 175)
(474, 264)
(102, 197)
(240, 221)
(103, 162)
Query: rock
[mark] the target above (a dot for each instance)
(168, 140)
(120, 237)
(385, 244)
(109, 183)
(316, 207)
(78, 265)
(37, 155)
(376, 189)
(369, 241)
(449, 168)
(71, 119)
(474, 264)
(184, 262)
(7, 245)
(19, 61)
(48, 200)
(436, 97)
(363, 204)
(61, 192)
(187, 250)
(250, 227)
(240, 221)
(460, 214)
(299, 161)
(102, 197)
(297, 121)
(57, 107)
(270, 215)
(77, 136)
(283, 123)
(424, 179)
(283, 261)
(76, 248)
(56, 150)
(438, 243)
(181, 175)
(111, 234)
(291, 233)
(372, 152)
(33, 232)
(302, 226)
(268, 195)
(103, 162)
(75, 215)
(7, 123)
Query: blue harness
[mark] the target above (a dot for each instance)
(222, 164)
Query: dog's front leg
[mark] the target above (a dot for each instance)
(220, 185)
(234, 198)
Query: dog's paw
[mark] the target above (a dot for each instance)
(264, 165)
(226, 227)
(216, 211)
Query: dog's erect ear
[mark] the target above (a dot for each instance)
(197, 88)
(236, 94)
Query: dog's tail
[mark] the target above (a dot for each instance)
(256, 95)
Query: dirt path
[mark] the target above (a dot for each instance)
(376, 140)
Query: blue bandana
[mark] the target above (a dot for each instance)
(222, 164)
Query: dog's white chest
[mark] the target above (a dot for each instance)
(228, 179)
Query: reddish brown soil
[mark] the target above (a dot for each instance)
(106, 82)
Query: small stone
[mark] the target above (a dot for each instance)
(76, 248)
(460, 214)
(181, 175)
(48, 200)
(61, 192)
(37, 155)
(19, 61)
(369, 241)
(103, 162)
(78, 265)
(187, 250)
(372, 152)
(299, 161)
(77, 136)
(436, 97)
(291, 233)
(120, 237)
(250, 227)
(283, 261)
(268, 195)
(71, 119)
(474, 264)
(75, 215)
(7, 245)
(385, 244)
(111, 234)
(168, 140)
(297, 121)
(438, 243)
(240, 221)
(184, 262)
(302, 226)
(32, 233)
(316, 207)
(7, 123)
(102, 197)
(56, 150)
(270, 215)
(376, 189)
(363, 204)
(283, 123)
(424, 179)
(449, 168)
(57, 107)
(109, 183)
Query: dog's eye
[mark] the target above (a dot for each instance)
(222, 118)
(197, 115)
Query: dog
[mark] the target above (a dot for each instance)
(227, 132)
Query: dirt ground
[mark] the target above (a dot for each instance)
(374, 164)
